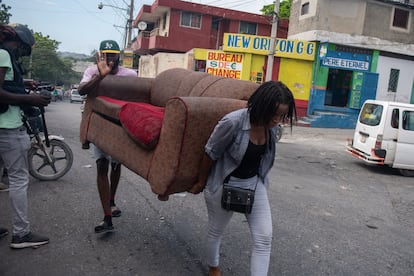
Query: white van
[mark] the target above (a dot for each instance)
(384, 135)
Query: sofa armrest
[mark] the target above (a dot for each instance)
(124, 88)
(187, 125)
(132, 89)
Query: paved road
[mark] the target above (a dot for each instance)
(332, 215)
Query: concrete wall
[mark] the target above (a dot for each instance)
(405, 81)
(358, 23)
(328, 15)
(151, 66)
(378, 23)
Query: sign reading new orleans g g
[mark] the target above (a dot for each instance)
(260, 45)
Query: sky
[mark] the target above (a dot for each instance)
(79, 25)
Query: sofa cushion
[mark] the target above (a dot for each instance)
(142, 122)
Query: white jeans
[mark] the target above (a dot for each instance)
(14, 145)
(260, 224)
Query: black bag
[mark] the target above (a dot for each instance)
(237, 199)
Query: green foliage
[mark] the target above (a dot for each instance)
(4, 13)
(284, 9)
(45, 42)
(46, 65)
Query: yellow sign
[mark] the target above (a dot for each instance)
(260, 45)
(227, 65)
(128, 59)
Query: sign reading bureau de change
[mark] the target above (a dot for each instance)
(222, 64)
(260, 45)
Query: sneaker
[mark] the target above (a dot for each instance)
(115, 211)
(103, 227)
(29, 240)
(3, 232)
(3, 187)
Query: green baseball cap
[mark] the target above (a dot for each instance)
(109, 46)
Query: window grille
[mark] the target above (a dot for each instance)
(393, 81)
(400, 18)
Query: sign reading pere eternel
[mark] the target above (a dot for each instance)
(260, 45)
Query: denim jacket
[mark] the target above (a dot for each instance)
(227, 146)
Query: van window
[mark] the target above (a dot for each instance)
(408, 120)
(371, 114)
(395, 118)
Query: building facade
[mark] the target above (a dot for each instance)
(365, 51)
(179, 26)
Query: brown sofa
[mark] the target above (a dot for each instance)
(193, 102)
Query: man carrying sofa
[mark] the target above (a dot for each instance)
(107, 60)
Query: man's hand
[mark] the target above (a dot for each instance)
(30, 84)
(104, 67)
(39, 100)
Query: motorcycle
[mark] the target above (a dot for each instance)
(279, 132)
(49, 156)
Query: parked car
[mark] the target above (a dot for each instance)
(75, 97)
(384, 135)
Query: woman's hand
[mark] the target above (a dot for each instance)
(197, 188)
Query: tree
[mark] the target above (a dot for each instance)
(4, 13)
(284, 9)
(45, 42)
(45, 64)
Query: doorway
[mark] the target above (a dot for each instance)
(338, 87)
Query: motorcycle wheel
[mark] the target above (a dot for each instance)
(62, 159)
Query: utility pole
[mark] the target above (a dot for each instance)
(130, 20)
(271, 55)
(128, 25)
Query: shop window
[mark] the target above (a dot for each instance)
(401, 18)
(395, 118)
(304, 9)
(393, 80)
(408, 120)
(248, 28)
(189, 19)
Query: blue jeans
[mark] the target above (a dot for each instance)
(14, 145)
(260, 224)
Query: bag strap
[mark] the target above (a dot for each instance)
(226, 181)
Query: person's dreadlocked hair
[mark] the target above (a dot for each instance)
(7, 33)
(265, 101)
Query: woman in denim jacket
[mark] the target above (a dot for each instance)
(241, 150)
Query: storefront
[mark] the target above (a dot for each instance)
(245, 57)
(343, 78)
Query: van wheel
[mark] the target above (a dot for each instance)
(409, 173)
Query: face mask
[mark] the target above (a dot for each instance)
(115, 64)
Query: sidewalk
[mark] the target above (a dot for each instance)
(326, 137)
